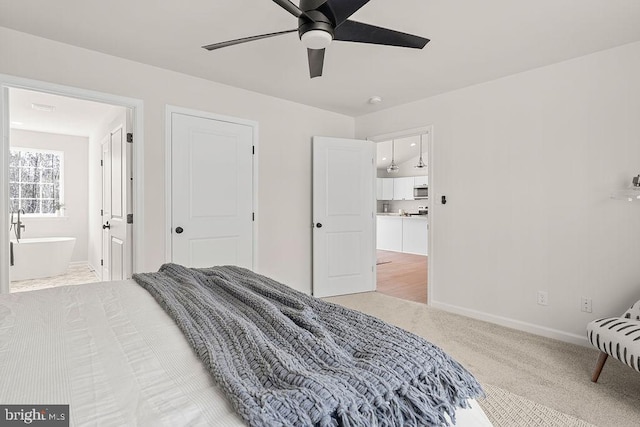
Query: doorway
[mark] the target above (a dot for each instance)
(51, 161)
(403, 222)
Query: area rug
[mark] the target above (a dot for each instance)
(505, 409)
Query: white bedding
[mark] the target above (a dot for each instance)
(110, 352)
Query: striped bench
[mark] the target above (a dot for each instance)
(618, 337)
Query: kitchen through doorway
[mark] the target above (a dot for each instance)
(402, 215)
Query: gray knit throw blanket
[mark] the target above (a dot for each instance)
(285, 358)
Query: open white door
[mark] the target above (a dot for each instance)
(117, 203)
(105, 274)
(211, 192)
(343, 216)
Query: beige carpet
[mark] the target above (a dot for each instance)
(531, 375)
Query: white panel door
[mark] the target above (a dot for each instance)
(211, 192)
(343, 215)
(105, 274)
(116, 203)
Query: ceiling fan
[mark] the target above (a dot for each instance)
(322, 21)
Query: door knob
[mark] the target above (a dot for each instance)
(179, 230)
(319, 225)
(105, 226)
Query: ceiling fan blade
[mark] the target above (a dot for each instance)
(343, 9)
(316, 62)
(353, 31)
(311, 4)
(244, 40)
(292, 8)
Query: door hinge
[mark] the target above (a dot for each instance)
(253, 216)
(129, 218)
(101, 212)
(101, 163)
(129, 137)
(253, 149)
(101, 262)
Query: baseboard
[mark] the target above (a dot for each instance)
(78, 264)
(515, 324)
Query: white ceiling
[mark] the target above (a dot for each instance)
(471, 42)
(70, 116)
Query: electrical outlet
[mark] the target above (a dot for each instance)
(543, 298)
(585, 304)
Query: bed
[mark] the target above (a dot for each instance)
(112, 353)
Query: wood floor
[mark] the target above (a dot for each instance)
(402, 275)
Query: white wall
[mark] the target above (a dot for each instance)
(527, 163)
(284, 159)
(74, 221)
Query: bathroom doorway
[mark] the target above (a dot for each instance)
(55, 175)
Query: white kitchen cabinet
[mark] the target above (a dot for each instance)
(384, 189)
(414, 235)
(389, 233)
(403, 188)
(402, 234)
(421, 180)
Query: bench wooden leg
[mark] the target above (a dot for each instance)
(599, 366)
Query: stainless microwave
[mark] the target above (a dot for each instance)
(421, 192)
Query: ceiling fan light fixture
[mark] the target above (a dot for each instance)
(316, 39)
(322, 21)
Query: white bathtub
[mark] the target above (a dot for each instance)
(42, 257)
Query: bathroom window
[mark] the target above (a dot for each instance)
(35, 180)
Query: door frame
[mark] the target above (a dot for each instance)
(170, 109)
(430, 201)
(136, 105)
